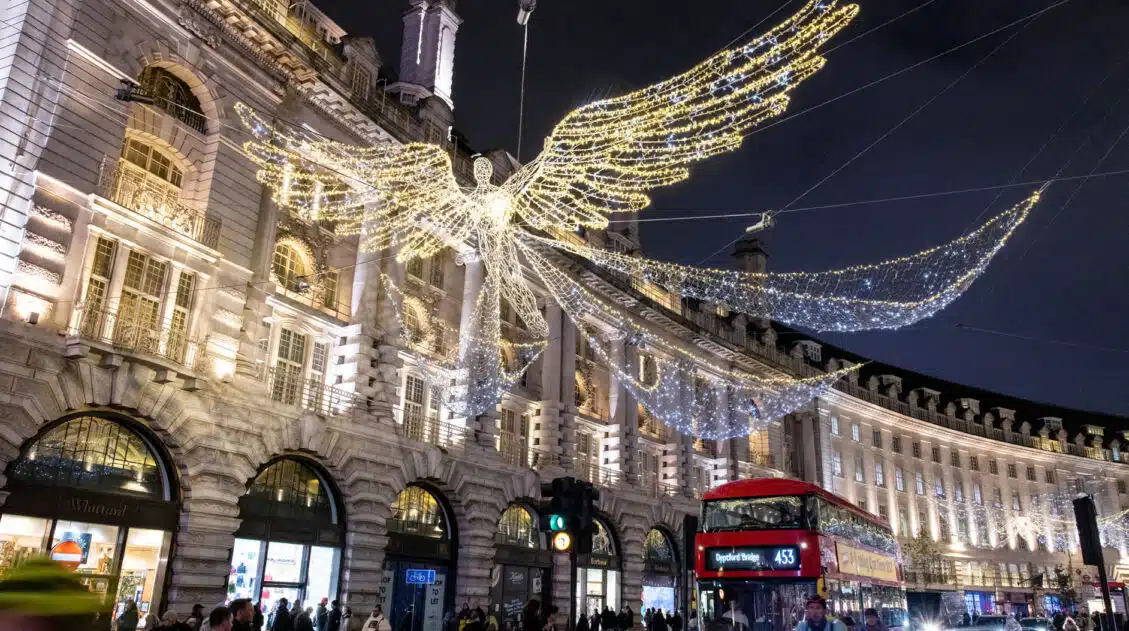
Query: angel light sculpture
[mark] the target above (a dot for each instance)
(599, 161)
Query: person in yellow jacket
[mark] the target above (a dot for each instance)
(41, 595)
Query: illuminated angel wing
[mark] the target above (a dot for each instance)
(885, 295)
(402, 195)
(605, 156)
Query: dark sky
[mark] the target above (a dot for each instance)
(1065, 281)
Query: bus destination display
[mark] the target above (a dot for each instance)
(753, 558)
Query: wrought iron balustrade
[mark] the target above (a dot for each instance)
(137, 331)
(291, 388)
(433, 431)
(130, 187)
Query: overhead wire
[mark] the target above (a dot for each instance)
(921, 108)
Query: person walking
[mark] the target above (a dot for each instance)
(873, 623)
(128, 620)
(531, 615)
(304, 621)
(196, 618)
(321, 617)
(333, 621)
(582, 622)
(377, 620)
(282, 620)
(816, 618)
(242, 614)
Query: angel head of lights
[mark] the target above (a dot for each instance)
(602, 159)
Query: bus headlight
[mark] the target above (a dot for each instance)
(930, 626)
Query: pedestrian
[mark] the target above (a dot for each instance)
(594, 621)
(676, 621)
(282, 620)
(196, 618)
(219, 619)
(242, 614)
(816, 618)
(551, 619)
(304, 620)
(257, 618)
(346, 619)
(492, 619)
(621, 619)
(582, 622)
(128, 620)
(377, 621)
(321, 615)
(333, 622)
(295, 610)
(871, 621)
(530, 615)
(1070, 625)
(1058, 620)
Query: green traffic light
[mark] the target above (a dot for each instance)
(556, 522)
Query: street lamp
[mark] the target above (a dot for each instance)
(525, 11)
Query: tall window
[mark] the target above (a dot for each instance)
(289, 266)
(899, 479)
(834, 424)
(837, 464)
(359, 81)
(414, 393)
(876, 438)
(879, 475)
(939, 487)
(147, 181)
(936, 454)
(993, 467)
(100, 269)
(860, 475)
(1030, 474)
(919, 483)
(1016, 503)
(513, 436)
(1012, 471)
(977, 496)
(855, 432)
(916, 449)
(1049, 476)
(173, 95)
(958, 491)
(286, 385)
(518, 528)
(139, 312)
(896, 444)
(954, 458)
(178, 327)
(974, 463)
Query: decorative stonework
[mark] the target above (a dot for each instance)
(228, 318)
(52, 248)
(31, 269)
(46, 214)
(193, 23)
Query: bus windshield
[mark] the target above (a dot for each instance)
(751, 605)
(754, 513)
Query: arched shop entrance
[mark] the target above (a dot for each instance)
(598, 574)
(289, 542)
(96, 493)
(522, 564)
(660, 571)
(417, 587)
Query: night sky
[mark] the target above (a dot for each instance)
(1064, 278)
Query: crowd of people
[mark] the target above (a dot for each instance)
(607, 620)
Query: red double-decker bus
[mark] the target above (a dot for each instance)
(765, 546)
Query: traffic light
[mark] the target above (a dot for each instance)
(585, 500)
(555, 510)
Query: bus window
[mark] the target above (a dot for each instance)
(754, 513)
(741, 605)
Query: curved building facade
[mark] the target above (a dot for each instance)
(205, 397)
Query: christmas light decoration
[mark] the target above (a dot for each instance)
(601, 159)
(884, 295)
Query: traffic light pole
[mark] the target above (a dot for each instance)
(573, 615)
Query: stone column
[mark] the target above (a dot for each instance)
(546, 425)
(476, 548)
(249, 356)
(629, 434)
(168, 306)
(472, 287)
(685, 441)
(809, 429)
(567, 422)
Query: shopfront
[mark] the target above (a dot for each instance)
(289, 540)
(417, 586)
(660, 569)
(598, 573)
(95, 493)
(522, 564)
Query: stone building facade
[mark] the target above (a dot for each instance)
(206, 397)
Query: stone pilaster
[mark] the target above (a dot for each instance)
(567, 423)
(633, 532)
(561, 585)
(476, 547)
(203, 544)
(249, 357)
(629, 434)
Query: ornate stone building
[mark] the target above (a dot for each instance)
(204, 397)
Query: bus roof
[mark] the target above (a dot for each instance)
(773, 487)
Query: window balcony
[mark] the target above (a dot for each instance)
(312, 395)
(130, 187)
(654, 486)
(433, 431)
(137, 333)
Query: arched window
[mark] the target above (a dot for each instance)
(518, 528)
(417, 512)
(173, 95)
(602, 541)
(289, 266)
(657, 548)
(93, 453)
(290, 489)
(96, 493)
(289, 540)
